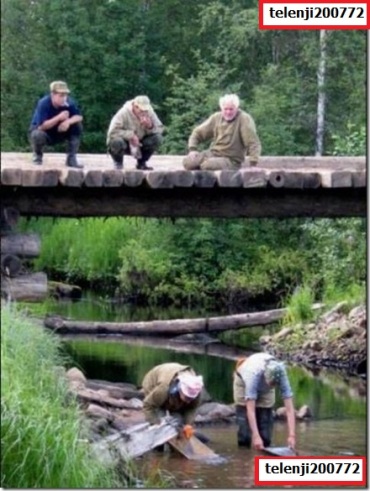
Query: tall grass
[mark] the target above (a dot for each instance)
(299, 306)
(42, 431)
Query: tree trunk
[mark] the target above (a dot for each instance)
(321, 73)
(32, 287)
(23, 245)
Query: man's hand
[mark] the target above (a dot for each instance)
(134, 141)
(291, 442)
(63, 115)
(188, 431)
(193, 155)
(63, 126)
(257, 442)
(146, 121)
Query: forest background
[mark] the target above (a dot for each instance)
(184, 55)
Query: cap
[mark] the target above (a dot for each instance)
(59, 87)
(143, 102)
(273, 371)
(190, 385)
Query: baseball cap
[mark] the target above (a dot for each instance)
(59, 87)
(142, 102)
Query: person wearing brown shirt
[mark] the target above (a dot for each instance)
(233, 135)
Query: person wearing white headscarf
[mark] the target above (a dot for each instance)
(254, 382)
(172, 388)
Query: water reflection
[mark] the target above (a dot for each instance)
(237, 471)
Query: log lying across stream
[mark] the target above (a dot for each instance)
(168, 327)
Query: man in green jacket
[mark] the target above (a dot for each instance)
(134, 130)
(174, 388)
(233, 135)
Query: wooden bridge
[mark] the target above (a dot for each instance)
(280, 187)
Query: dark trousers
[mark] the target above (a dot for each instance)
(39, 139)
(118, 147)
(264, 418)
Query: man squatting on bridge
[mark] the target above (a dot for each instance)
(56, 119)
(134, 130)
(173, 388)
(254, 382)
(233, 135)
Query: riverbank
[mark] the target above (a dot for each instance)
(338, 339)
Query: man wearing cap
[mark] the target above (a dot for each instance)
(174, 388)
(254, 382)
(233, 135)
(134, 130)
(56, 119)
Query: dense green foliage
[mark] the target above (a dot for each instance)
(184, 55)
(42, 436)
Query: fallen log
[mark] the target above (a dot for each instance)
(22, 245)
(168, 327)
(27, 287)
(133, 442)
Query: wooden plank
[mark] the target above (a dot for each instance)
(204, 178)
(254, 178)
(32, 177)
(50, 177)
(112, 178)
(192, 448)
(69, 177)
(336, 179)
(159, 180)
(359, 179)
(182, 178)
(133, 178)
(93, 179)
(276, 179)
(133, 442)
(229, 178)
(11, 177)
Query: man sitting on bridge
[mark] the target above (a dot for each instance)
(134, 130)
(233, 134)
(174, 388)
(56, 119)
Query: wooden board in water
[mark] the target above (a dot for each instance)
(192, 448)
(280, 451)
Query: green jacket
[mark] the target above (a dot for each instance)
(125, 124)
(232, 139)
(156, 385)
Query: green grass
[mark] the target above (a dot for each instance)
(299, 306)
(42, 429)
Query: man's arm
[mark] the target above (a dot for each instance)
(257, 442)
(250, 139)
(288, 403)
(202, 133)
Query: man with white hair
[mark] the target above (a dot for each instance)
(254, 382)
(174, 388)
(233, 135)
(134, 130)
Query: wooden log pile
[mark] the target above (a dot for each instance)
(17, 250)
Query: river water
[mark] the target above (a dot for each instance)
(338, 402)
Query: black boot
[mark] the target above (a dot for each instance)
(117, 160)
(141, 165)
(73, 145)
(37, 158)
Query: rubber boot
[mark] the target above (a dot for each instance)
(141, 165)
(72, 149)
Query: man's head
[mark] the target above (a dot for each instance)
(274, 370)
(190, 386)
(229, 105)
(141, 103)
(59, 92)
